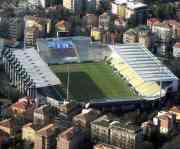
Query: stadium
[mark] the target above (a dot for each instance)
(106, 72)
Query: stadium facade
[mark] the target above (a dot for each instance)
(27, 71)
(71, 49)
(144, 72)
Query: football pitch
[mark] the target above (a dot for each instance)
(90, 81)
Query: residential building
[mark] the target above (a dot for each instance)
(71, 139)
(176, 50)
(15, 28)
(12, 126)
(175, 27)
(130, 36)
(3, 139)
(139, 34)
(116, 131)
(104, 21)
(164, 35)
(105, 146)
(84, 119)
(165, 121)
(90, 5)
(90, 20)
(69, 107)
(100, 131)
(42, 115)
(1, 48)
(137, 10)
(35, 27)
(99, 2)
(148, 128)
(31, 34)
(120, 24)
(29, 132)
(63, 28)
(175, 110)
(144, 37)
(6, 126)
(95, 34)
(24, 107)
(45, 137)
(152, 21)
(163, 31)
(118, 7)
(177, 7)
(125, 135)
(106, 37)
(75, 6)
(43, 3)
(65, 114)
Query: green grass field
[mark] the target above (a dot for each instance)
(92, 80)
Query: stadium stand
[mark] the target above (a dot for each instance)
(144, 72)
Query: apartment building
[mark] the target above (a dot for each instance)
(118, 132)
(75, 6)
(71, 138)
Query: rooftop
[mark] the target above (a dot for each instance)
(147, 66)
(87, 115)
(47, 130)
(111, 121)
(135, 5)
(70, 133)
(175, 109)
(105, 146)
(6, 123)
(24, 103)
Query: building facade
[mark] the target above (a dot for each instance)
(70, 139)
(117, 132)
(75, 6)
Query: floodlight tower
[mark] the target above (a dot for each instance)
(160, 80)
(67, 89)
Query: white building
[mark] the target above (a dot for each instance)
(41, 3)
(133, 8)
(176, 50)
(75, 6)
(15, 27)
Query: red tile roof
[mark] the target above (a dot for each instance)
(153, 21)
(24, 103)
(6, 123)
(47, 130)
(69, 133)
(177, 45)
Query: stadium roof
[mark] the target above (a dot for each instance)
(141, 60)
(36, 68)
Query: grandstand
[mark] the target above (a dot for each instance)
(27, 71)
(144, 72)
(71, 49)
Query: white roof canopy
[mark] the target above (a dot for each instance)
(141, 60)
(36, 68)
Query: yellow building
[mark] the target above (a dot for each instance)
(28, 132)
(119, 9)
(5, 126)
(96, 34)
